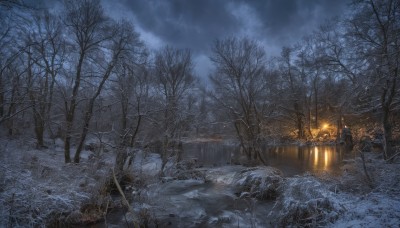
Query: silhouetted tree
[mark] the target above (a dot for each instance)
(240, 83)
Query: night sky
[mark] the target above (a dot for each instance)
(195, 24)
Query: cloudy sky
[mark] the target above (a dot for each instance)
(195, 24)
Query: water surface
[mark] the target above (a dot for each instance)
(291, 160)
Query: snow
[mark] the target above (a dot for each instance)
(36, 186)
(371, 210)
(305, 201)
(148, 164)
(259, 182)
(223, 175)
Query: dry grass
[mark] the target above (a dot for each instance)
(37, 188)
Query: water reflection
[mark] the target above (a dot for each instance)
(210, 153)
(291, 160)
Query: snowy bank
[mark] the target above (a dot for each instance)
(38, 189)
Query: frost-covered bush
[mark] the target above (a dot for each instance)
(183, 170)
(305, 201)
(258, 182)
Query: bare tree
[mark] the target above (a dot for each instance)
(100, 43)
(338, 59)
(173, 80)
(11, 49)
(122, 43)
(86, 23)
(294, 91)
(240, 86)
(132, 91)
(45, 57)
(374, 31)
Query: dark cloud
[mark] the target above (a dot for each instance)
(288, 20)
(195, 24)
(182, 23)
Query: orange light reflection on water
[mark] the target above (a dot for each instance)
(322, 159)
(326, 158)
(316, 157)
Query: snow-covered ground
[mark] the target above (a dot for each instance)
(38, 188)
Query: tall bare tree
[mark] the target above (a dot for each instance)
(374, 30)
(131, 89)
(122, 42)
(11, 49)
(45, 57)
(100, 44)
(87, 23)
(294, 91)
(173, 80)
(240, 83)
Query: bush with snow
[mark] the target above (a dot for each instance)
(258, 182)
(305, 201)
(183, 170)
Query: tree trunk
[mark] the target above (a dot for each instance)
(89, 112)
(39, 131)
(316, 104)
(84, 132)
(339, 127)
(121, 158)
(299, 121)
(1, 97)
(67, 146)
(241, 140)
(71, 109)
(133, 138)
(386, 99)
(387, 131)
(164, 155)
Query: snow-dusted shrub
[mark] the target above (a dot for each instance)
(305, 202)
(28, 202)
(38, 189)
(183, 170)
(258, 182)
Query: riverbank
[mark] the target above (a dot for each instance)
(38, 189)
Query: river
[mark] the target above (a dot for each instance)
(195, 203)
(290, 159)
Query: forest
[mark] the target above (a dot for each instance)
(84, 102)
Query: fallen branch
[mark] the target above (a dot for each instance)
(120, 190)
(123, 196)
(391, 158)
